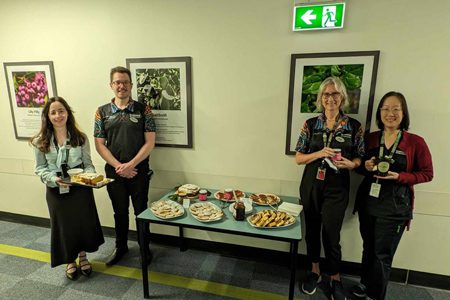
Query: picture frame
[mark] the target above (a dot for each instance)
(357, 69)
(164, 83)
(29, 85)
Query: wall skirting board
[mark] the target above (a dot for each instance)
(251, 253)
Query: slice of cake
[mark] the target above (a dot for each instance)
(90, 178)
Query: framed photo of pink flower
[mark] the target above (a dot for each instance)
(30, 85)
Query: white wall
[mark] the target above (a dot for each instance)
(240, 74)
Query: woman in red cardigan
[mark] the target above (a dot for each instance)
(395, 161)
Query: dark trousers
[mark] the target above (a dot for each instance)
(324, 212)
(120, 191)
(380, 240)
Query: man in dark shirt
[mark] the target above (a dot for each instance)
(124, 137)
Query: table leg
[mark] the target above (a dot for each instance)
(183, 246)
(294, 250)
(140, 225)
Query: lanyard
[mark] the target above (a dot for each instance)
(327, 142)
(394, 147)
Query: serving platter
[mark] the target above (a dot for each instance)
(265, 199)
(166, 209)
(219, 195)
(206, 212)
(100, 184)
(271, 219)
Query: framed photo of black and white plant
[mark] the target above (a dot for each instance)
(164, 83)
(30, 85)
(357, 70)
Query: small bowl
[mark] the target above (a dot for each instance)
(75, 171)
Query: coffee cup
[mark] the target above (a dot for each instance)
(337, 154)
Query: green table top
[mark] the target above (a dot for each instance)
(228, 224)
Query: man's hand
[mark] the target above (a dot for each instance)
(126, 170)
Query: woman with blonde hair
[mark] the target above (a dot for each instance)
(329, 146)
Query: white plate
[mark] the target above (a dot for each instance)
(277, 201)
(174, 205)
(217, 196)
(205, 206)
(249, 218)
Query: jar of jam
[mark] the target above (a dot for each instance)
(202, 195)
(228, 194)
(239, 207)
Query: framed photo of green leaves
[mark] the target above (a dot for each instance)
(30, 85)
(357, 70)
(164, 83)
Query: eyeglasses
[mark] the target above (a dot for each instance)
(395, 111)
(119, 82)
(335, 95)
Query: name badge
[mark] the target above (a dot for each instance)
(375, 190)
(63, 190)
(321, 172)
(340, 139)
(133, 119)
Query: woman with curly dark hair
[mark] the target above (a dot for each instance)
(75, 226)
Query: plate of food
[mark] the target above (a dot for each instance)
(265, 199)
(270, 219)
(167, 209)
(188, 190)
(220, 195)
(93, 180)
(206, 212)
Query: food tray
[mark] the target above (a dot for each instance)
(288, 217)
(166, 209)
(100, 184)
(219, 196)
(261, 199)
(206, 212)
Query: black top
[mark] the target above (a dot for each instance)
(394, 201)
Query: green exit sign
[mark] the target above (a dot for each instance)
(320, 16)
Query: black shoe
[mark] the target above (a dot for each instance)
(115, 256)
(149, 257)
(337, 290)
(359, 290)
(309, 286)
(72, 271)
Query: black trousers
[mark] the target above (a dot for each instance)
(120, 191)
(380, 240)
(324, 213)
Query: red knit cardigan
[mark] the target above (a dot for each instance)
(419, 165)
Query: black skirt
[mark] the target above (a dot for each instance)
(75, 225)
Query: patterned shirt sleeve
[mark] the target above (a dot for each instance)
(150, 125)
(303, 139)
(99, 126)
(359, 143)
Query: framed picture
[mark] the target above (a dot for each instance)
(165, 85)
(358, 71)
(30, 85)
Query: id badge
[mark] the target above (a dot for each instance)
(64, 190)
(375, 190)
(321, 173)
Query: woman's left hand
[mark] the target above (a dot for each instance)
(390, 176)
(344, 163)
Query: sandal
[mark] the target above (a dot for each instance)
(72, 271)
(85, 265)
